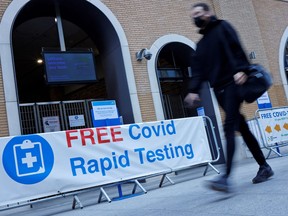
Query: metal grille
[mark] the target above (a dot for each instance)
(167, 109)
(74, 112)
(173, 105)
(29, 124)
(177, 107)
(47, 111)
(55, 116)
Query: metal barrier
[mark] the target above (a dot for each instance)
(254, 128)
(200, 155)
(273, 128)
(214, 147)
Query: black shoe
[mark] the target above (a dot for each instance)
(219, 184)
(263, 174)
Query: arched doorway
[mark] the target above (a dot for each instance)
(283, 60)
(86, 25)
(173, 70)
(286, 58)
(168, 71)
(32, 37)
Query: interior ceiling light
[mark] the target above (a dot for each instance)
(39, 61)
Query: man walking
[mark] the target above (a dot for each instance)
(220, 59)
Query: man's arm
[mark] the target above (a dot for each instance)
(194, 83)
(240, 78)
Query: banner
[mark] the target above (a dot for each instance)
(274, 125)
(40, 165)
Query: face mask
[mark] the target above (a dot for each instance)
(199, 22)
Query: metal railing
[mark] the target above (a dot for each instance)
(270, 128)
(35, 117)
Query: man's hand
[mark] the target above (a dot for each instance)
(240, 78)
(191, 100)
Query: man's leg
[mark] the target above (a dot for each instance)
(265, 170)
(230, 145)
(228, 100)
(230, 103)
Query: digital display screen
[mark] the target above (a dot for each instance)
(69, 67)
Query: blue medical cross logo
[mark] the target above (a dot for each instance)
(28, 159)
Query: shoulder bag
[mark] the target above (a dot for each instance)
(259, 79)
(258, 82)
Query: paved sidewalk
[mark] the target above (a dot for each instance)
(186, 197)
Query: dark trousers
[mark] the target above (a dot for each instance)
(230, 101)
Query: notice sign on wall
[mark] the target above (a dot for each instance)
(51, 124)
(264, 101)
(104, 109)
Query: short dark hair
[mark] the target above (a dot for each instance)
(203, 5)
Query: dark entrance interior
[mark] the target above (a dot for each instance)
(84, 28)
(173, 68)
(174, 71)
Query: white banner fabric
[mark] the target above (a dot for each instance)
(40, 165)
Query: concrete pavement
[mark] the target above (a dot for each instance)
(187, 196)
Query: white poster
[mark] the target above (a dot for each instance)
(76, 120)
(104, 109)
(51, 124)
(264, 99)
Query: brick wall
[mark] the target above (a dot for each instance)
(260, 24)
(272, 21)
(3, 117)
(260, 31)
(144, 22)
(3, 5)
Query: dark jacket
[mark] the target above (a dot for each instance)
(218, 56)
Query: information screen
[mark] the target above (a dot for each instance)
(69, 67)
